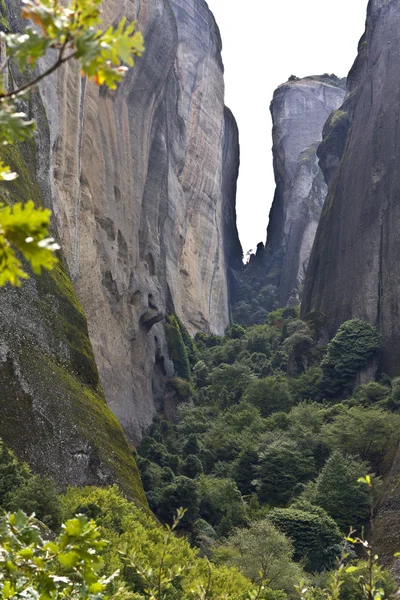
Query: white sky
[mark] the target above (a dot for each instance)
(264, 42)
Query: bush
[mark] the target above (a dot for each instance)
(13, 474)
(315, 536)
(220, 498)
(176, 348)
(354, 345)
(37, 495)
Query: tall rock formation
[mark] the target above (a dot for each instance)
(299, 110)
(354, 269)
(135, 181)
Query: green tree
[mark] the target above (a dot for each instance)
(233, 379)
(282, 466)
(65, 32)
(37, 495)
(264, 554)
(338, 491)
(366, 432)
(315, 536)
(355, 343)
(269, 395)
(181, 493)
(13, 474)
(220, 498)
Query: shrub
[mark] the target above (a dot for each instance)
(355, 343)
(37, 495)
(315, 536)
(176, 348)
(13, 474)
(192, 467)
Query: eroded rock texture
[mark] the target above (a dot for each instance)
(355, 263)
(134, 178)
(299, 110)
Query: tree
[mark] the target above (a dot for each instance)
(315, 536)
(220, 498)
(38, 495)
(65, 32)
(181, 493)
(281, 468)
(13, 474)
(234, 379)
(355, 343)
(338, 491)
(269, 395)
(264, 554)
(192, 467)
(366, 432)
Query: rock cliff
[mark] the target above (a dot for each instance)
(135, 181)
(354, 266)
(299, 110)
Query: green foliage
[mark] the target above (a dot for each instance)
(369, 433)
(269, 395)
(142, 551)
(26, 229)
(355, 343)
(37, 495)
(177, 348)
(282, 466)
(66, 567)
(264, 554)
(13, 474)
(315, 536)
(339, 493)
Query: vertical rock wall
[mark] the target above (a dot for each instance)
(299, 110)
(135, 180)
(354, 267)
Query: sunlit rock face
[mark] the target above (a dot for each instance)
(299, 110)
(135, 181)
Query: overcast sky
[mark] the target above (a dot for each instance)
(264, 42)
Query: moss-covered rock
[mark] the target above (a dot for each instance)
(52, 410)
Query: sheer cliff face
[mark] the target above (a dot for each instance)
(355, 264)
(135, 181)
(299, 110)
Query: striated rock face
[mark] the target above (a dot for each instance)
(134, 178)
(299, 110)
(354, 267)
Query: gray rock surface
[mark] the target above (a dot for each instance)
(299, 110)
(134, 178)
(355, 263)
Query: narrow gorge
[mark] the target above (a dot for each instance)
(153, 370)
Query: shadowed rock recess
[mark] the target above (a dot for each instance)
(134, 178)
(299, 110)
